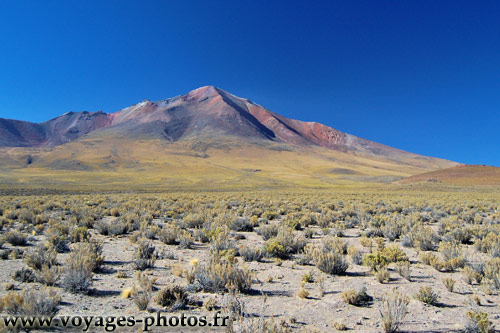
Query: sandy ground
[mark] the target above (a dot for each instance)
(280, 284)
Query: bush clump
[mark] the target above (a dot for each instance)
(356, 297)
(330, 263)
(477, 322)
(250, 254)
(172, 297)
(219, 274)
(145, 255)
(16, 238)
(427, 295)
(376, 261)
(31, 303)
(41, 257)
(393, 310)
(79, 267)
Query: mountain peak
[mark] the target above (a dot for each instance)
(203, 93)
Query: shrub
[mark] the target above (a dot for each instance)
(308, 233)
(394, 254)
(4, 254)
(25, 216)
(339, 326)
(461, 235)
(169, 235)
(31, 303)
(121, 275)
(145, 283)
(250, 254)
(210, 304)
(150, 232)
(142, 294)
(492, 272)
(274, 248)
(403, 269)
(429, 258)
(423, 238)
(338, 229)
(16, 238)
(449, 250)
(145, 255)
(291, 241)
(59, 243)
(93, 250)
(219, 273)
(12, 215)
(489, 244)
(355, 254)
(366, 242)
(201, 235)
(427, 295)
(117, 227)
(449, 283)
(356, 298)
(220, 242)
(114, 212)
(141, 298)
(241, 224)
(477, 322)
(307, 277)
(41, 257)
(268, 215)
(79, 234)
(24, 275)
(452, 264)
(330, 263)
(48, 275)
(470, 275)
(102, 227)
(393, 310)
(380, 242)
(303, 293)
(185, 240)
(375, 261)
(334, 244)
(268, 231)
(382, 275)
(192, 220)
(392, 230)
(78, 270)
(172, 297)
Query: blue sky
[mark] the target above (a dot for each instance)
(423, 76)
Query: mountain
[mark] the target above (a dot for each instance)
(223, 133)
(460, 175)
(68, 127)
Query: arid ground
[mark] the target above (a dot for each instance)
(275, 261)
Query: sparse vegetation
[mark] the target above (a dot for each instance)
(289, 245)
(449, 283)
(219, 274)
(356, 297)
(172, 297)
(79, 269)
(31, 303)
(393, 310)
(145, 255)
(477, 322)
(427, 295)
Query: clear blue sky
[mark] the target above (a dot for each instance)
(423, 76)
